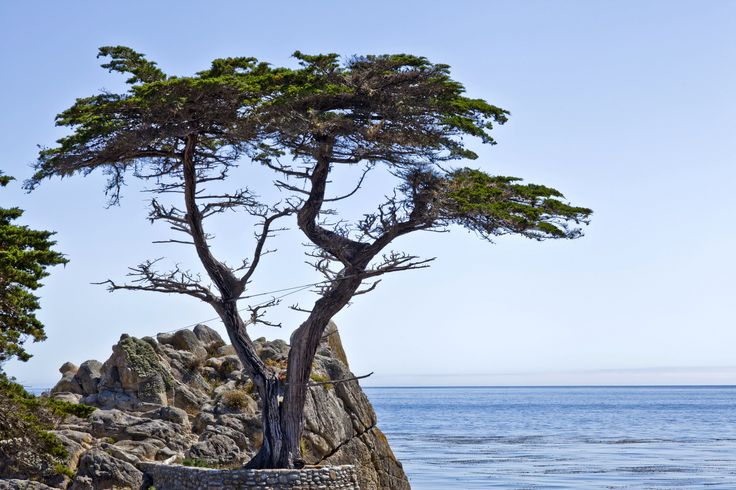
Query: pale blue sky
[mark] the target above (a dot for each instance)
(626, 106)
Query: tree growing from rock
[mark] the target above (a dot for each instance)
(399, 113)
(25, 256)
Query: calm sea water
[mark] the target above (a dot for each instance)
(562, 438)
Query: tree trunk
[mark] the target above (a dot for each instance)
(304, 343)
(271, 453)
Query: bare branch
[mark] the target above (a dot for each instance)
(368, 168)
(264, 235)
(336, 381)
(368, 289)
(296, 307)
(176, 281)
(258, 312)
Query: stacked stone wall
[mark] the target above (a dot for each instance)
(174, 477)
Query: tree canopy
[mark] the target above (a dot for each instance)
(25, 254)
(400, 113)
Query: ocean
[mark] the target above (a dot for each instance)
(563, 437)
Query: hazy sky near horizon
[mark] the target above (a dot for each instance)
(627, 107)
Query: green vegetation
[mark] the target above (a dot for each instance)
(323, 379)
(29, 450)
(25, 255)
(235, 399)
(196, 463)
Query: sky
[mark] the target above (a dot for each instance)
(625, 106)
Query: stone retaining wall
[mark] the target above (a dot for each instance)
(171, 477)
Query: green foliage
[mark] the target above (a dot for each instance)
(125, 60)
(30, 451)
(64, 470)
(25, 254)
(143, 130)
(196, 463)
(496, 205)
(321, 378)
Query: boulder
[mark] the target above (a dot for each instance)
(230, 364)
(208, 337)
(186, 340)
(101, 471)
(276, 350)
(67, 384)
(135, 369)
(88, 376)
(173, 414)
(215, 449)
(136, 451)
(67, 367)
(226, 350)
(111, 423)
(75, 443)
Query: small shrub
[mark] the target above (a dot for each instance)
(235, 399)
(321, 378)
(194, 363)
(196, 463)
(64, 470)
(29, 450)
(250, 387)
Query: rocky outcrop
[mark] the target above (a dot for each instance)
(184, 398)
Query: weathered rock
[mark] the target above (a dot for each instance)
(371, 454)
(201, 421)
(100, 471)
(161, 401)
(230, 364)
(164, 338)
(135, 368)
(13, 484)
(173, 414)
(138, 450)
(88, 376)
(334, 342)
(188, 399)
(276, 350)
(67, 384)
(65, 396)
(75, 443)
(67, 367)
(226, 350)
(111, 423)
(215, 449)
(187, 341)
(209, 338)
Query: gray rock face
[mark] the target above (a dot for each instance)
(68, 384)
(68, 366)
(215, 449)
(209, 337)
(100, 471)
(23, 485)
(167, 399)
(135, 370)
(88, 376)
